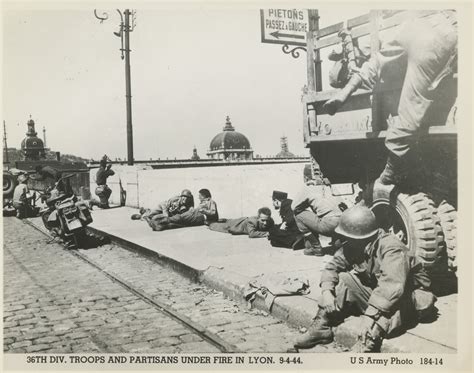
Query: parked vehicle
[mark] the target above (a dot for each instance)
(65, 216)
(348, 148)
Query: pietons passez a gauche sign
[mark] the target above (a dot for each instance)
(284, 26)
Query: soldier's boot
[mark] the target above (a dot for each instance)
(320, 332)
(394, 172)
(312, 246)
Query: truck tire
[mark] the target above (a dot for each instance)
(9, 184)
(448, 219)
(414, 220)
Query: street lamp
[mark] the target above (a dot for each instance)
(124, 34)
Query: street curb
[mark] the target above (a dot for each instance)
(189, 272)
(296, 310)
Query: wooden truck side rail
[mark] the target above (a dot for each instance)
(314, 98)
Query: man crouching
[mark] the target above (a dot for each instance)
(373, 276)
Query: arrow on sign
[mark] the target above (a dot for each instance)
(277, 35)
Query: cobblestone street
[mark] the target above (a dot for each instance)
(56, 302)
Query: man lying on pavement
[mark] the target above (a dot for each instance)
(175, 205)
(254, 226)
(204, 213)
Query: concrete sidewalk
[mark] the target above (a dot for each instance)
(228, 263)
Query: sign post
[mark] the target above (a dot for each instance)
(285, 26)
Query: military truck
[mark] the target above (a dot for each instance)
(348, 148)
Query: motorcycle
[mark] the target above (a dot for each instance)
(64, 216)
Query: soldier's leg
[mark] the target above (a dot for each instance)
(307, 223)
(352, 295)
(351, 299)
(104, 200)
(427, 56)
(189, 218)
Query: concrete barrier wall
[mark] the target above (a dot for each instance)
(239, 190)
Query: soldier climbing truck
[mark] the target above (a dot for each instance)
(349, 147)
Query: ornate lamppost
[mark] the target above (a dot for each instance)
(124, 35)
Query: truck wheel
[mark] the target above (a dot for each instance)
(448, 218)
(9, 184)
(413, 219)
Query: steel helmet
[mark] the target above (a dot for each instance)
(358, 223)
(186, 193)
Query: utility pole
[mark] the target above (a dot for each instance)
(5, 142)
(124, 34)
(128, 89)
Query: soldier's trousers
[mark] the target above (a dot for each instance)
(430, 48)
(352, 298)
(191, 217)
(307, 221)
(103, 192)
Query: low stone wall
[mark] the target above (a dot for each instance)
(239, 190)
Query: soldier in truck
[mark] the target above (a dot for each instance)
(422, 63)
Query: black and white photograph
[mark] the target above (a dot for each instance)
(206, 185)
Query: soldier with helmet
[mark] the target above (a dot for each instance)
(372, 275)
(173, 206)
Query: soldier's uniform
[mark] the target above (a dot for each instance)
(288, 236)
(372, 276)
(429, 58)
(385, 283)
(102, 190)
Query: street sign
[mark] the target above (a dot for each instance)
(284, 26)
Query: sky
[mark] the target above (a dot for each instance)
(191, 66)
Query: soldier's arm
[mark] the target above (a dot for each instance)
(211, 211)
(329, 275)
(166, 206)
(394, 272)
(253, 232)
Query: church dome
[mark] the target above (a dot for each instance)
(229, 139)
(32, 146)
(32, 143)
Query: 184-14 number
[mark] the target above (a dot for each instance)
(431, 361)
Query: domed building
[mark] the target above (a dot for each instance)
(32, 146)
(230, 144)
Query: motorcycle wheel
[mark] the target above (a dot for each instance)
(44, 218)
